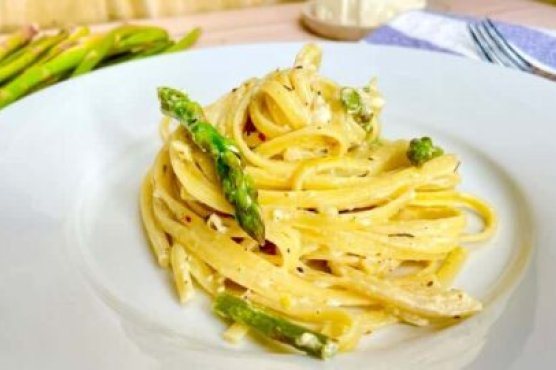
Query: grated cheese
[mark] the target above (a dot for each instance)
(214, 221)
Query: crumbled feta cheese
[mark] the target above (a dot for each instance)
(321, 284)
(329, 211)
(321, 110)
(308, 340)
(333, 303)
(310, 247)
(336, 253)
(215, 222)
(279, 214)
(295, 154)
(377, 102)
(365, 222)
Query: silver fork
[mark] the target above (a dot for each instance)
(493, 47)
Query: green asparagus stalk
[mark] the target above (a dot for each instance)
(44, 84)
(185, 42)
(126, 57)
(16, 40)
(274, 327)
(161, 47)
(153, 50)
(127, 42)
(139, 38)
(237, 186)
(95, 55)
(16, 54)
(43, 73)
(19, 52)
(104, 47)
(32, 53)
(71, 40)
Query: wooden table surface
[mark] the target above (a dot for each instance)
(281, 22)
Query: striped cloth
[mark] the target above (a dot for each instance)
(448, 33)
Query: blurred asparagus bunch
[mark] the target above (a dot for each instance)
(30, 61)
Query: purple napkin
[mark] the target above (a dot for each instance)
(449, 34)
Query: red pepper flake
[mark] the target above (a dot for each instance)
(269, 248)
(187, 219)
(262, 136)
(236, 239)
(249, 127)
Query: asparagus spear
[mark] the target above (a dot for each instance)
(274, 327)
(32, 53)
(95, 55)
(157, 48)
(39, 74)
(19, 52)
(161, 47)
(16, 54)
(140, 37)
(237, 186)
(106, 47)
(16, 40)
(147, 52)
(185, 42)
(70, 41)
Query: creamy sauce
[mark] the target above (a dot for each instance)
(321, 110)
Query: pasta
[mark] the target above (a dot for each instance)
(357, 237)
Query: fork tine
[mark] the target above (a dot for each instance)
(488, 46)
(495, 49)
(477, 41)
(483, 45)
(505, 47)
(516, 55)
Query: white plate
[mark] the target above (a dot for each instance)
(79, 288)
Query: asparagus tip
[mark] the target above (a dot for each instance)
(165, 96)
(259, 233)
